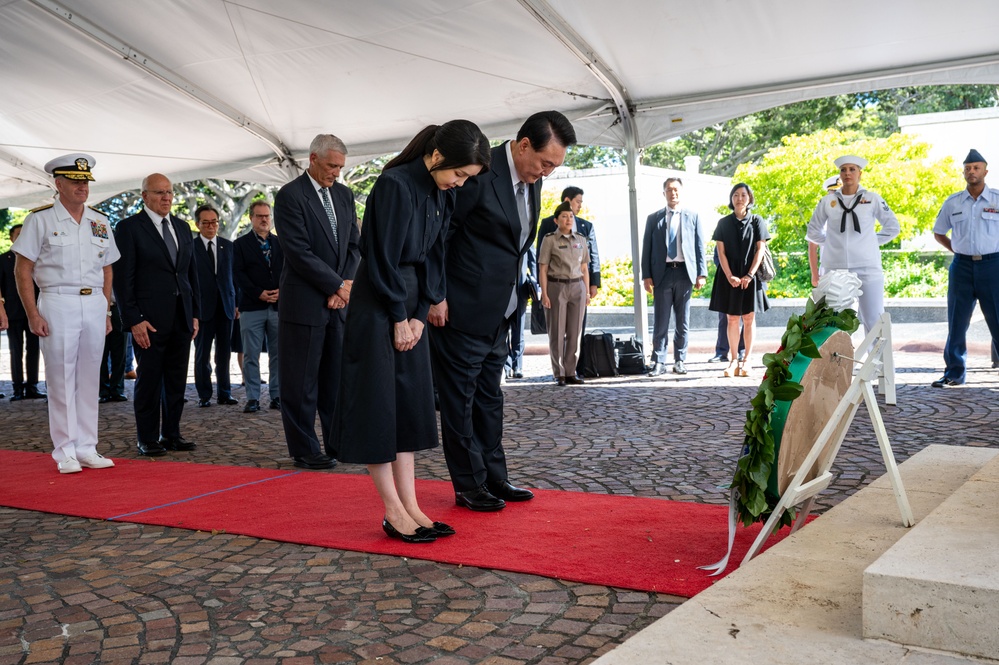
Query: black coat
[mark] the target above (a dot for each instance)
(215, 285)
(13, 306)
(251, 272)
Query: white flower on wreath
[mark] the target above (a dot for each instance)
(841, 288)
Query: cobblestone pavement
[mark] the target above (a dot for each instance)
(83, 591)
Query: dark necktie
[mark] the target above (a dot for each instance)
(171, 244)
(211, 257)
(522, 204)
(850, 211)
(329, 211)
(671, 232)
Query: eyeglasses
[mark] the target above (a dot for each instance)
(160, 192)
(209, 223)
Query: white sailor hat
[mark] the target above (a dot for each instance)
(831, 182)
(850, 159)
(75, 166)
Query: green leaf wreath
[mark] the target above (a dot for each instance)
(754, 502)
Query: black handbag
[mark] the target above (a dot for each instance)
(767, 270)
(539, 326)
(630, 356)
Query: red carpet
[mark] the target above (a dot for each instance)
(617, 541)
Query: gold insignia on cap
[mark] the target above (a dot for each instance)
(82, 164)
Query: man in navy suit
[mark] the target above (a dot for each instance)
(493, 225)
(673, 264)
(213, 257)
(316, 220)
(22, 342)
(257, 271)
(156, 286)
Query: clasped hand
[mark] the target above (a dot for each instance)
(406, 334)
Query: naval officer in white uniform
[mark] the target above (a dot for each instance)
(843, 225)
(67, 249)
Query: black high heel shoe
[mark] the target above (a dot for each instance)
(422, 535)
(441, 530)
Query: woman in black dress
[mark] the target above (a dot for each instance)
(737, 291)
(385, 412)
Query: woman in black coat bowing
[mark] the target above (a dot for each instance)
(385, 412)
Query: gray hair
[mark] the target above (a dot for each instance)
(324, 143)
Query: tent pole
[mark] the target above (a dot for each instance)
(641, 305)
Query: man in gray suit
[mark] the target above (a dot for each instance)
(672, 264)
(316, 220)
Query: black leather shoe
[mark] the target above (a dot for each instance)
(657, 369)
(16, 397)
(252, 406)
(421, 535)
(319, 461)
(560, 382)
(944, 382)
(119, 398)
(177, 443)
(508, 492)
(203, 403)
(479, 500)
(518, 375)
(721, 358)
(100, 400)
(442, 530)
(228, 400)
(574, 381)
(678, 368)
(34, 393)
(276, 403)
(151, 449)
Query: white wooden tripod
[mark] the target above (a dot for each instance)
(877, 365)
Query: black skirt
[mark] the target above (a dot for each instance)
(386, 400)
(728, 299)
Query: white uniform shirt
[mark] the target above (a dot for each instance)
(66, 253)
(850, 250)
(973, 223)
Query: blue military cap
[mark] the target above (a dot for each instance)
(974, 156)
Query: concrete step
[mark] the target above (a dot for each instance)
(938, 586)
(800, 601)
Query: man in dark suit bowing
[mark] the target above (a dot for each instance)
(673, 264)
(493, 225)
(315, 218)
(213, 256)
(156, 286)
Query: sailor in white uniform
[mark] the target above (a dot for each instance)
(67, 249)
(843, 225)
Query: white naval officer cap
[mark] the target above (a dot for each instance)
(851, 159)
(831, 182)
(75, 166)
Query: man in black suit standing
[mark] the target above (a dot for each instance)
(156, 286)
(213, 257)
(493, 225)
(316, 220)
(257, 271)
(22, 342)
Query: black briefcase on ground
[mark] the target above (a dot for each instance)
(597, 354)
(630, 356)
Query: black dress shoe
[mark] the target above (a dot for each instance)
(508, 492)
(442, 530)
(16, 397)
(151, 449)
(574, 381)
(228, 400)
(101, 400)
(34, 393)
(720, 358)
(479, 500)
(421, 535)
(518, 375)
(657, 369)
(560, 382)
(119, 398)
(276, 403)
(944, 382)
(319, 461)
(177, 443)
(252, 406)
(204, 403)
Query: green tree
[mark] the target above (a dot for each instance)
(787, 181)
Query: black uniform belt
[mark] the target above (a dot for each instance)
(571, 280)
(979, 257)
(675, 264)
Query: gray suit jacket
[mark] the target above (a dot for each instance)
(692, 242)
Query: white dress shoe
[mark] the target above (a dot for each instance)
(70, 465)
(98, 461)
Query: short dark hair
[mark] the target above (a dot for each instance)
(544, 126)
(571, 193)
(562, 207)
(13, 228)
(738, 186)
(207, 207)
(673, 179)
(460, 143)
(256, 204)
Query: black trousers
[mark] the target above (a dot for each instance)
(309, 359)
(23, 355)
(467, 370)
(112, 381)
(161, 380)
(217, 330)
